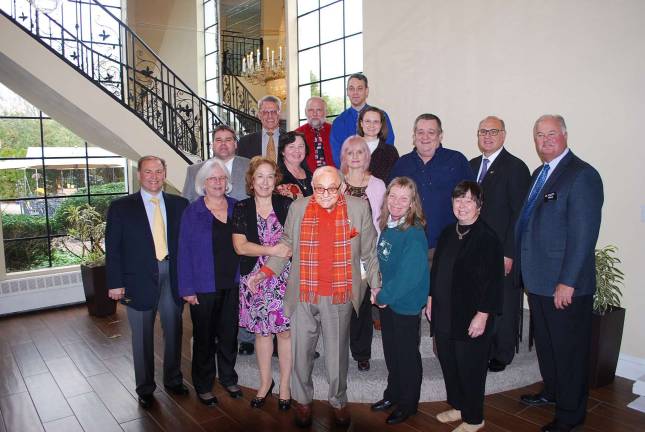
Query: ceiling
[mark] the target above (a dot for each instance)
(241, 16)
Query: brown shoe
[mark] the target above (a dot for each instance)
(302, 414)
(341, 416)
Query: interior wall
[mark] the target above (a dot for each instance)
(172, 29)
(463, 60)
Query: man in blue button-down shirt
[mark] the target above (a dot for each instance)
(436, 171)
(345, 125)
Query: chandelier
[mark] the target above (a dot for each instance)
(261, 71)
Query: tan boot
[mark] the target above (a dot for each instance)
(449, 416)
(467, 427)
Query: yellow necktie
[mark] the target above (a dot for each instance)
(271, 149)
(159, 232)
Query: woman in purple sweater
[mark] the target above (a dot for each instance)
(209, 275)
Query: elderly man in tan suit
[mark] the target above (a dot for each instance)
(329, 235)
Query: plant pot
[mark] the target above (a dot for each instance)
(606, 335)
(96, 291)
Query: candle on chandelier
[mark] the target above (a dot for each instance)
(267, 57)
(272, 57)
(280, 55)
(243, 65)
(259, 56)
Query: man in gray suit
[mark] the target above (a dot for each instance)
(329, 235)
(556, 235)
(224, 147)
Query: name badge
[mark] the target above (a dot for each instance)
(551, 196)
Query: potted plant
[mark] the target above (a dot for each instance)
(608, 318)
(87, 227)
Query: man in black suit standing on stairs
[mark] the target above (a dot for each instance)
(504, 179)
(264, 142)
(141, 239)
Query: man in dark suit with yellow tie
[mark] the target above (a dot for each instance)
(265, 142)
(504, 179)
(556, 235)
(141, 257)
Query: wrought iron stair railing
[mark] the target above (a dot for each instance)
(89, 37)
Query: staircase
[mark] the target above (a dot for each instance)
(88, 70)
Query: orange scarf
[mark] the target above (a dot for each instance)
(310, 251)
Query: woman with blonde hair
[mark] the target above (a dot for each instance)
(402, 250)
(359, 182)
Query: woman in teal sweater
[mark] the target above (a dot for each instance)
(403, 261)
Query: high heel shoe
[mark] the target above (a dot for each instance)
(258, 401)
(284, 404)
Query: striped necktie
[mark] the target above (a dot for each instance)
(533, 197)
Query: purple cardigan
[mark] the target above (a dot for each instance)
(195, 263)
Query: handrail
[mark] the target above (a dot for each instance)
(236, 95)
(110, 54)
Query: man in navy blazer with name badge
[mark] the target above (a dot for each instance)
(504, 179)
(556, 235)
(141, 241)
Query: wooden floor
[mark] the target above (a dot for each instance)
(65, 371)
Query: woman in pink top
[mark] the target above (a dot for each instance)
(359, 182)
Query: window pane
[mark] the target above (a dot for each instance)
(212, 90)
(308, 31)
(17, 135)
(66, 251)
(56, 135)
(211, 65)
(333, 92)
(210, 40)
(326, 2)
(354, 54)
(209, 13)
(305, 6)
(309, 66)
(23, 218)
(58, 209)
(65, 176)
(331, 22)
(353, 16)
(26, 254)
(333, 55)
(21, 178)
(107, 175)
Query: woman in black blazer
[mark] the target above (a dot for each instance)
(467, 279)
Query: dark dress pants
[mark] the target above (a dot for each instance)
(215, 326)
(464, 364)
(562, 343)
(401, 339)
(361, 330)
(506, 330)
(142, 325)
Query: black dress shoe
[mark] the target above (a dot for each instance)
(258, 401)
(179, 389)
(398, 416)
(284, 404)
(363, 365)
(382, 405)
(234, 391)
(145, 401)
(495, 365)
(207, 399)
(246, 348)
(537, 399)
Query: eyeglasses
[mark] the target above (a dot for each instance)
(491, 132)
(220, 179)
(225, 140)
(321, 190)
(269, 113)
